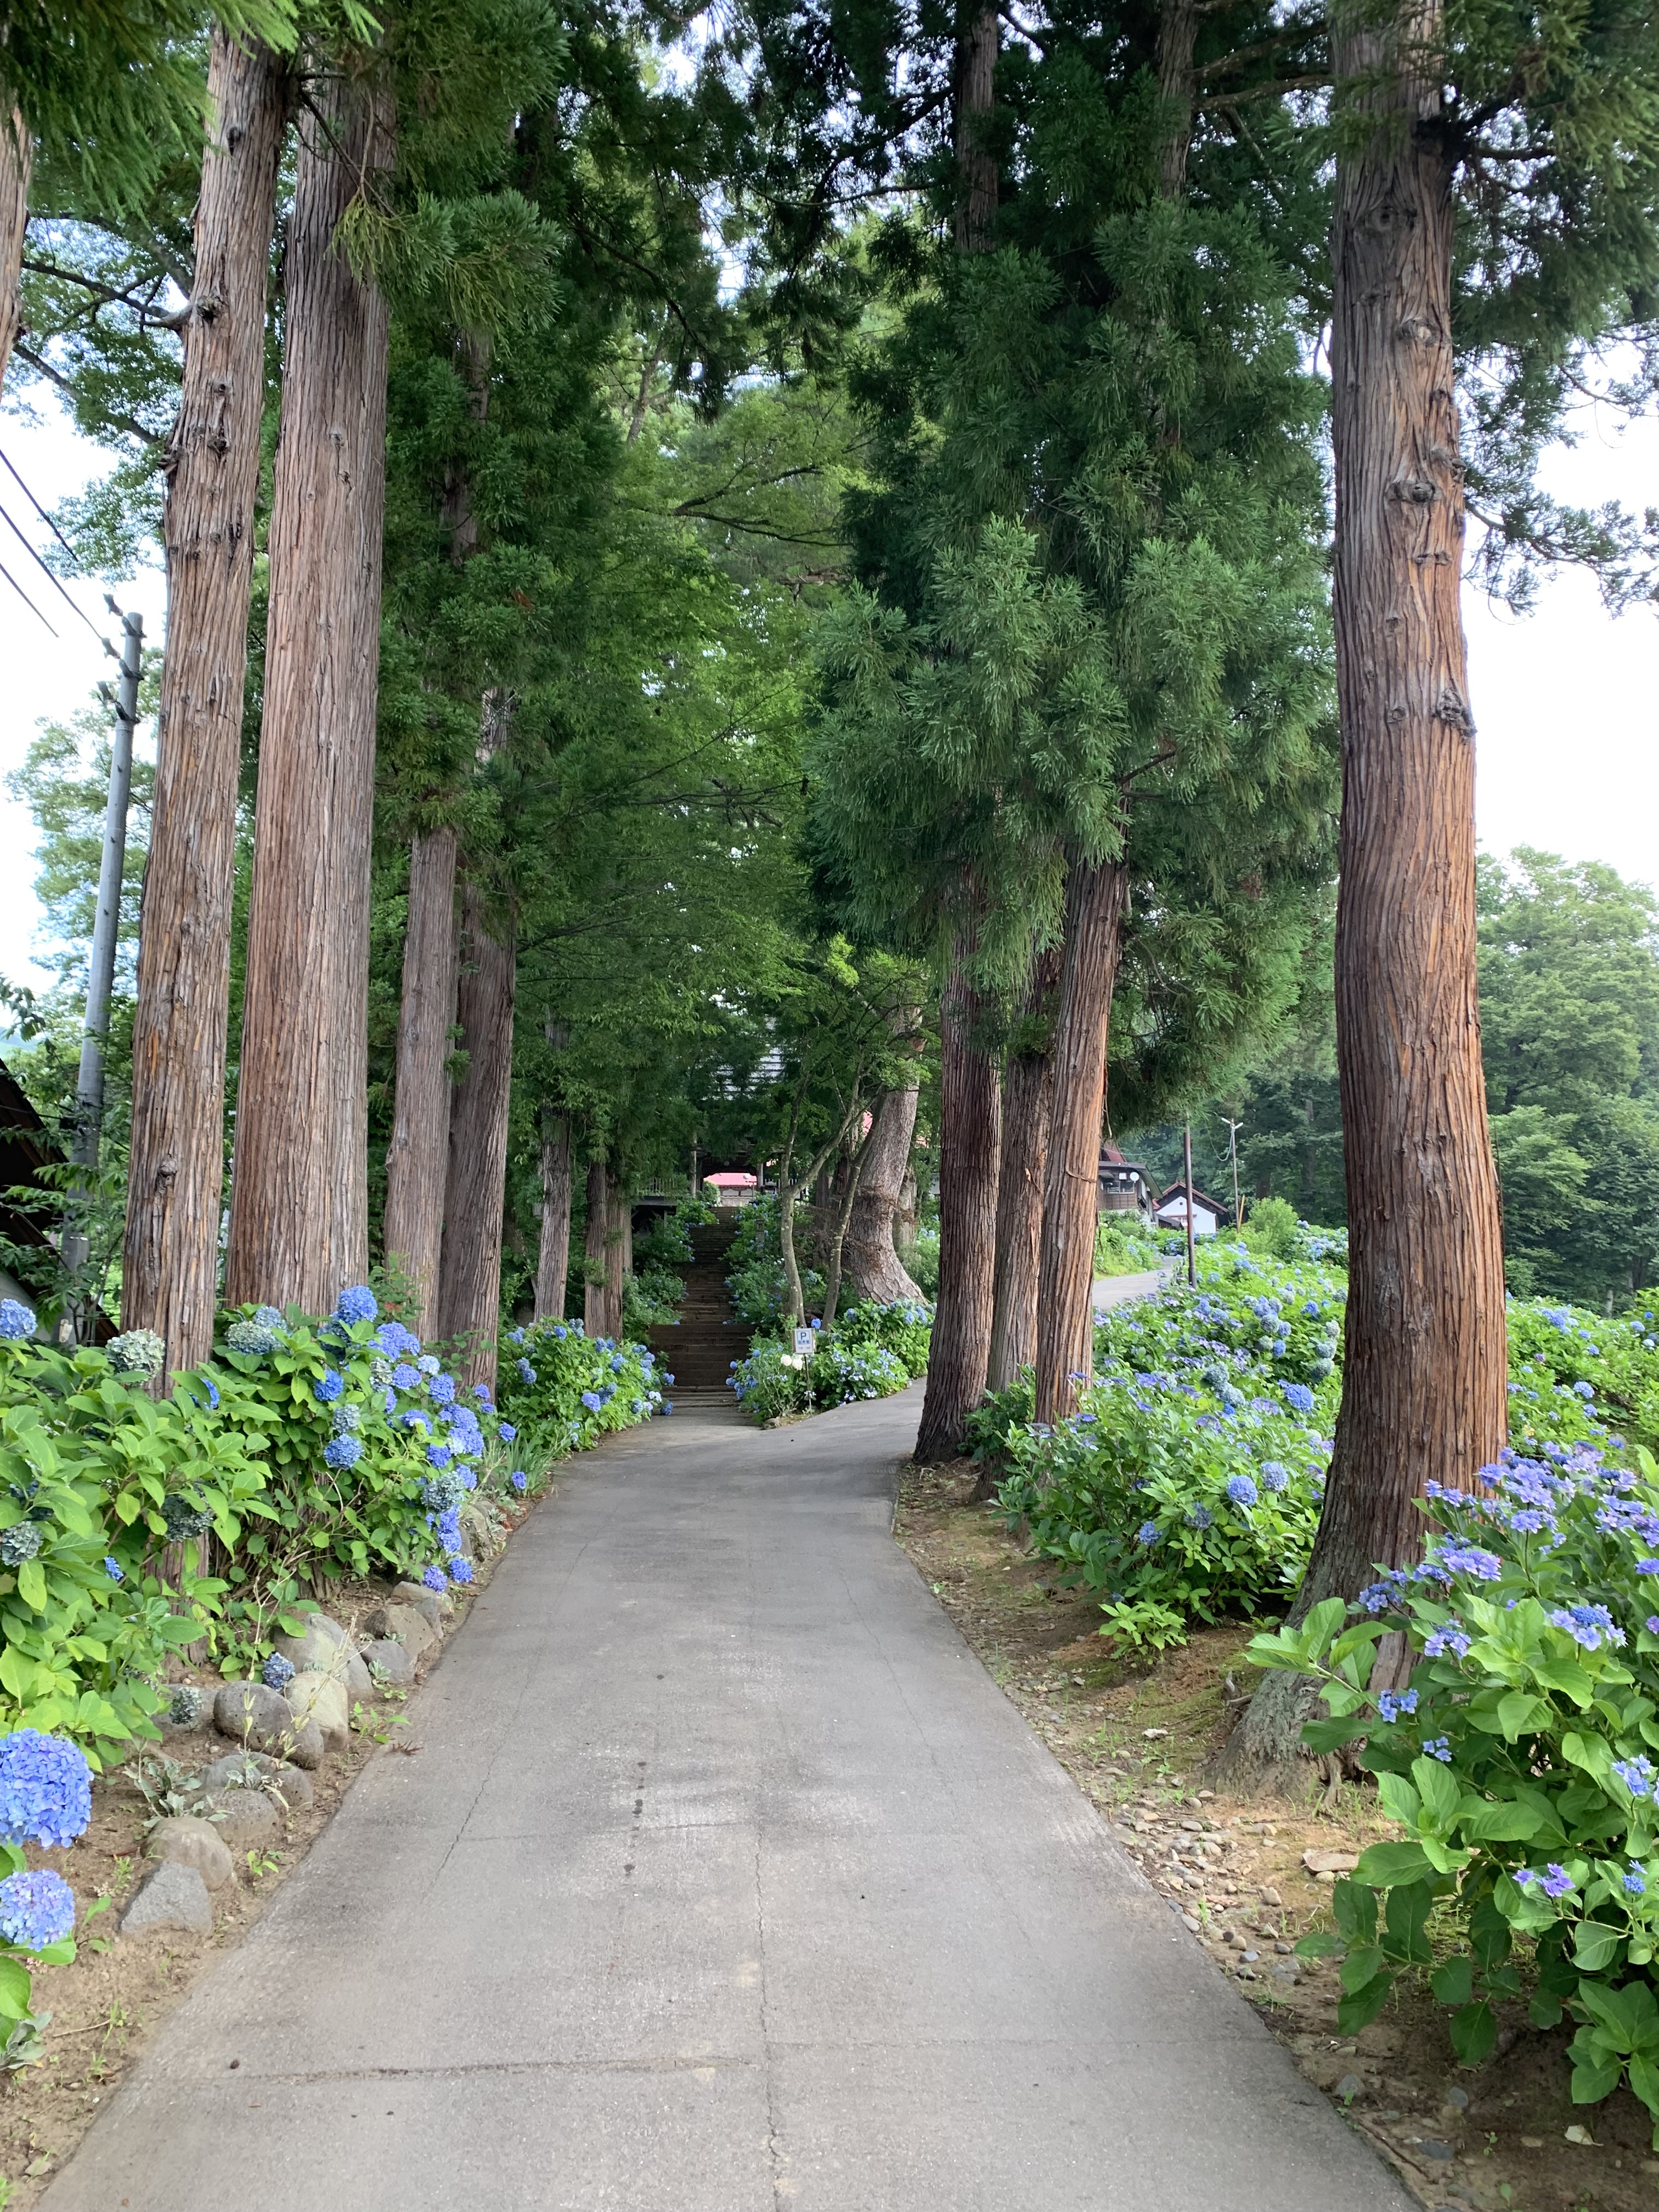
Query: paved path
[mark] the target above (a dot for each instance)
(727, 1880)
(1117, 1290)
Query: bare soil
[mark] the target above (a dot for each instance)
(105, 2005)
(1135, 1735)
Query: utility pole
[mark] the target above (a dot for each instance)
(101, 973)
(1233, 1129)
(1186, 1165)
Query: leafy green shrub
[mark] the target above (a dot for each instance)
(1564, 1359)
(759, 1288)
(566, 1390)
(921, 1259)
(668, 1242)
(1519, 1761)
(772, 1381)
(651, 1298)
(1124, 1247)
(904, 1327)
(1270, 1225)
(775, 1380)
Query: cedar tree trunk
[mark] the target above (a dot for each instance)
(847, 1198)
(872, 1267)
(1097, 899)
(618, 1254)
(299, 1207)
(969, 1142)
(1027, 1099)
(17, 160)
(976, 166)
(553, 1261)
(593, 1249)
(417, 1157)
(175, 1184)
(1424, 1372)
(470, 1277)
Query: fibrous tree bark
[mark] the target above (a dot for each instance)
(175, 1181)
(594, 1240)
(1425, 1374)
(553, 1259)
(17, 160)
(1097, 901)
(977, 181)
(1027, 1099)
(844, 1191)
(299, 1209)
(618, 1254)
(970, 1132)
(475, 1192)
(872, 1267)
(418, 1157)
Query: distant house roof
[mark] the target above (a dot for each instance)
(726, 1181)
(1210, 1204)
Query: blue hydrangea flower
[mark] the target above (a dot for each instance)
(439, 1455)
(113, 1568)
(616, 1362)
(1557, 1881)
(434, 1578)
(449, 1528)
(212, 1390)
(1147, 1533)
(36, 1909)
(428, 1363)
(253, 1339)
(1583, 1390)
(508, 1433)
(405, 1376)
(46, 1789)
(460, 1571)
(277, 1672)
(1201, 1517)
(1383, 1596)
(343, 1451)
(593, 1400)
(442, 1390)
(356, 1304)
(1438, 1747)
(388, 1403)
(1465, 1559)
(1636, 1774)
(1652, 1624)
(1241, 1490)
(481, 1392)
(1635, 1881)
(1297, 1396)
(560, 1331)
(416, 1420)
(328, 1387)
(1524, 1877)
(1647, 1566)
(348, 1420)
(1451, 1640)
(16, 1322)
(1390, 1706)
(1589, 1625)
(519, 1480)
(394, 1339)
(1274, 1475)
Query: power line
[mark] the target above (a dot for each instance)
(25, 597)
(56, 582)
(41, 511)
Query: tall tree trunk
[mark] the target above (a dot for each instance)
(1097, 900)
(553, 1261)
(976, 164)
(298, 1208)
(593, 1248)
(1177, 35)
(837, 1244)
(476, 1190)
(1028, 1093)
(17, 160)
(970, 1143)
(417, 1157)
(1424, 1369)
(175, 1183)
(872, 1267)
(618, 1254)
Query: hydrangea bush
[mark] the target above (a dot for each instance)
(1519, 1759)
(904, 1329)
(759, 1287)
(775, 1380)
(1188, 1483)
(566, 1390)
(45, 1799)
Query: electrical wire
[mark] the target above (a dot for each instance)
(56, 582)
(25, 597)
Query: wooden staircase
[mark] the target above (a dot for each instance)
(698, 1353)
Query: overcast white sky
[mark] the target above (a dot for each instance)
(1565, 700)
